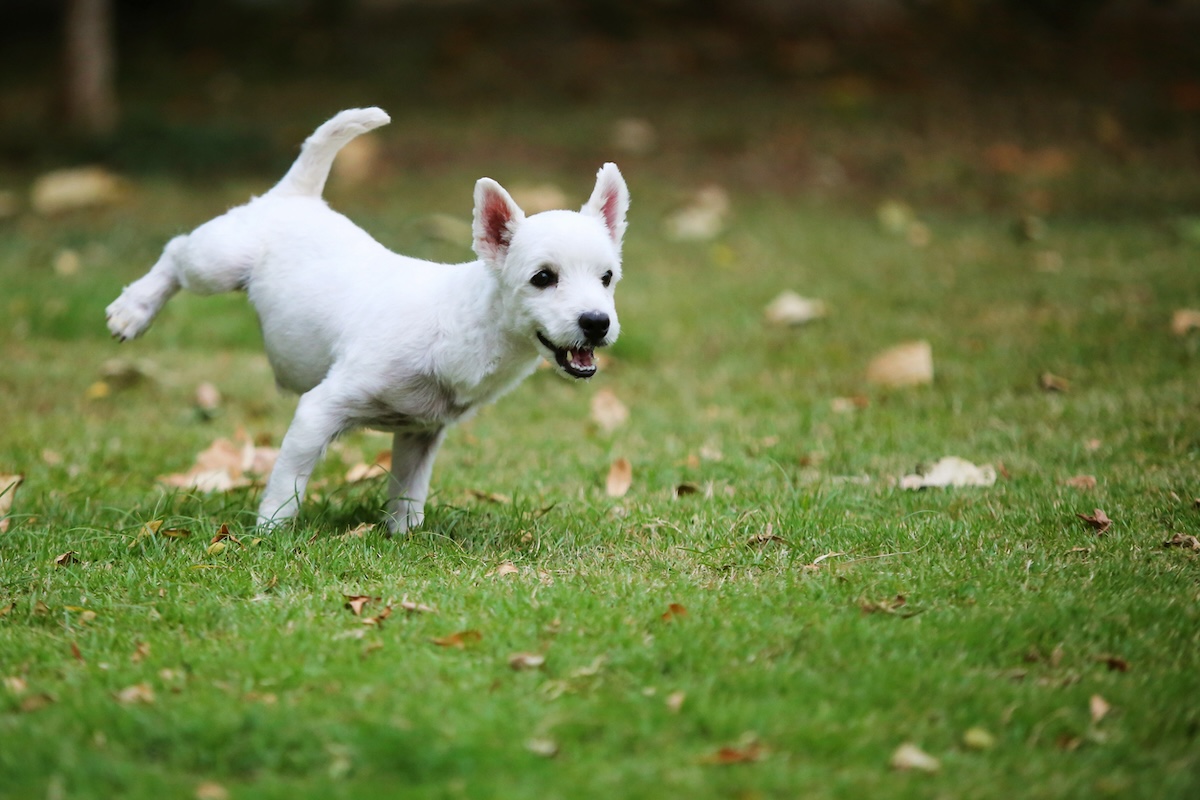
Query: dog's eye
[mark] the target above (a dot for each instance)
(544, 278)
(606, 278)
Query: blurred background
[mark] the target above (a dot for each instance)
(860, 98)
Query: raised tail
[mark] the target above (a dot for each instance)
(307, 176)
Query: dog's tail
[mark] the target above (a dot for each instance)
(307, 176)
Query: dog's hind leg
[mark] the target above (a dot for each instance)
(412, 467)
(216, 257)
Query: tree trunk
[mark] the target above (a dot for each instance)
(90, 96)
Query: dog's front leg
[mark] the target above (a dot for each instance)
(413, 454)
(318, 419)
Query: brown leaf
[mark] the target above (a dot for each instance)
(490, 497)
(8, 491)
(1098, 707)
(459, 640)
(358, 531)
(1184, 540)
(77, 653)
(686, 488)
(36, 702)
(1082, 482)
(502, 569)
(416, 608)
(355, 602)
(522, 661)
(766, 537)
(888, 606)
(225, 465)
(140, 652)
(1114, 663)
(381, 466)
(910, 757)
(674, 610)
(66, 559)
(746, 753)
(1053, 383)
(620, 478)
(4, 609)
(608, 411)
(790, 309)
(907, 364)
(222, 534)
(378, 618)
(1184, 321)
(1097, 520)
(138, 693)
(675, 701)
(211, 790)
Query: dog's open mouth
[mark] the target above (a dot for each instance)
(578, 362)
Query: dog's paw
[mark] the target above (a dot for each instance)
(402, 521)
(128, 318)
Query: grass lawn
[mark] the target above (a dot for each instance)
(778, 627)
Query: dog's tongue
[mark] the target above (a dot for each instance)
(582, 357)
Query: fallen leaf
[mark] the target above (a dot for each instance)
(910, 757)
(541, 746)
(950, 471)
(978, 739)
(675, 701)
(76, 188)
(358, 531)
(8, 491)
(225, 465)
(355, 602)
(5, 609)
(77, 653)
(138, 693)
(674, 610)
(1053, 383)
(1184, 321)
(1183, 540)
(416, 608)
(523, 661)
(634, 136)
(211, 790)
(459, 640)
(1098, 707)
(620, 478)
(887, 606)
(1097, 520)
(502, 569)
(703, 217)
(378, 618)
(907, 364)
(844, 405)
(742, 753)
(608, 411)
(1083, 482)
(66, 559)
(790, 310)
(208, 397)
(16, 685)
(140, 652)
(1114, 663)
(36, 702)
(490, 497)
(378, 468)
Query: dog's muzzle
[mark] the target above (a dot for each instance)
(578, 362)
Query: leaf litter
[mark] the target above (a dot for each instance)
(950, 471)
(1097, 520)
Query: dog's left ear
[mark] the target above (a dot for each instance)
(610, 201)
(497, 218)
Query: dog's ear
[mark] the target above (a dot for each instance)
(610, 201)
(496, 220)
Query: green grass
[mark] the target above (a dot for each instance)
(266, 684)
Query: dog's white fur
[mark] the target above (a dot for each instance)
(371, 338)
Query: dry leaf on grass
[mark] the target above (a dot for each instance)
(76, 188)
(1098, 521)
(1083, 482)
(951, 471)
(8, 491)
(747, 751)
(620, 478)
(502, 569)
(355, 602)
(1114, 663)
(1098, 707)
(907, 364)
(1053, 383)
(673, 611)
(225, 465)
(523, 661)
(381, 466)
(1184, 321)
(887, 606)
(541, 746)
(36, 702)
(790, 309)
(66, 559)
(608, 411)
(211, 790)
(910, 757)
(1184, 540)
(141, 693)
(459, 640)
(703, 217)
(413, 607)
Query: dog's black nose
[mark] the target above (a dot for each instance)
(594, 325)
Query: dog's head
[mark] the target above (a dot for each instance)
(557, 269)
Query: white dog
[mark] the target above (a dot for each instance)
(371, 338)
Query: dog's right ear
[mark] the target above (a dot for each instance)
(496, 220)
